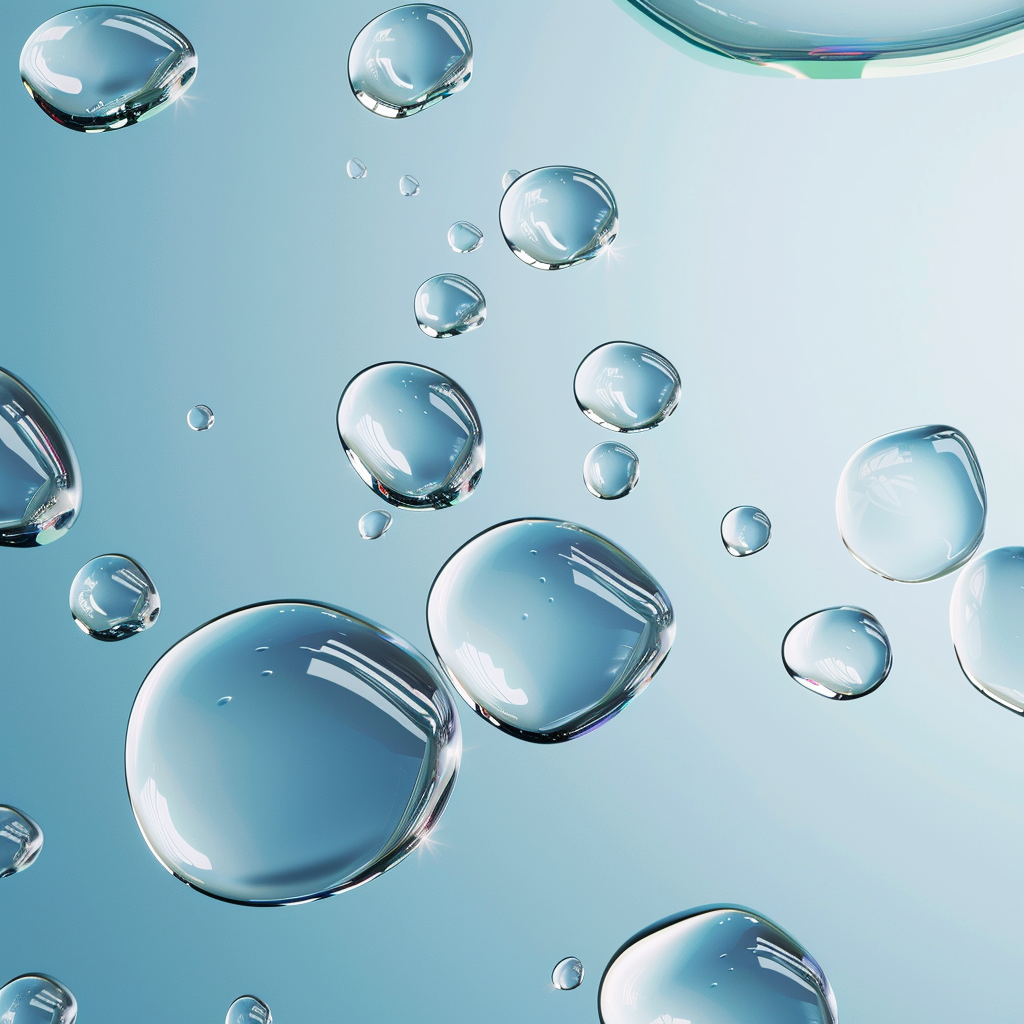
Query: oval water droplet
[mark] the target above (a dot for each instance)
(508, 177)
(408, 185)
(626, 387)
(248, 1010)
(354, 718)
(911, 505)
(745, 530)
(95, 69)
(409, 58)
(840, 653)
(556, 217)
(355, 169)
(665, 974)
(200, 417)
(579, 659)
(447, 305)
(412, 435)
(373, 525)
(40, 482)
(567, 974)
(113, 598)
(611, 470)
(465, 237)
(21, 839)
(37, 999)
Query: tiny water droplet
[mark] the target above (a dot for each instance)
(447, 305)
(248, 1010)
(21, 839)
(373, 525)
(408, 185)
(567, 974)
(465, 237)
(355, 169)
(267, 672)
(611, 470)
(200, 417)
(223, 701)
(37, 999)
(626, 387)
(508, 177)
(262, 648)
(745, 530)
(525, 616)
(113, 598)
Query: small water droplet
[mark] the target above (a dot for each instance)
(355, 169)
(745, 530)
(223, 701)
(447, 305)
(113, 598)
(248, 1010)
(21, 839)
(37, 999)
(373, 525)
(611, 470)
(200, 417)
(508, 177)
(626, 387)
(567, 974)
(267, 672)
(465, 237)
(408, 185)
(262, 648)
(525, 616)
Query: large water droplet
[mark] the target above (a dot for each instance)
(200, 417)
(745, 530)
(611, 470)
(37, 999)
(40, 483)
(408, 185)
(312, 779)
(113, 598)
(95, 69)
(840, 653)
(555, 217)
(626, 387)
(911, 505)
(409, 58)
(21, 839)
(355, 169)
(546, 628)
(715, 965)
(447, 305)
(412, 435)
(567, 974)
(248, 1010)
(465, 237)
(508, 177)
(373, 525)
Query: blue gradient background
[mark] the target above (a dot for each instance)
(823, 262)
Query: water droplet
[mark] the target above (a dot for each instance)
(662, 975)
(21, 839)
(911, 505)
(408, 185)
(840, 653)
(355, 169)
(354, 719)
(200, 417)
(447, 305)
(409, 58)
(40, 482)
(95, 69)
(465, 237)
(626, 387)
(267, 672)
(745, 530)
(413, 461)
(583, 657)
(223, 702)
(567, 974)
(248, 1010)
(37, 999)
(508, 177)
(113, 598)
(374, 525)
(555, 217)
(611, 470)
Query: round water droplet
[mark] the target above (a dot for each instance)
(674, 971)
(113, 598)
(355, 168)
(412, 435)
(200, 417)
(447, 305)
(611, 470)
(626, 387)
(95, 69)
(911, 505)
(374, 525)
(353, 719)
(568, 974)
(555, 217)
(37, 999)
(409, 58)
(40, 482)
(745, 530)
(408, 185)
(840, 653)
(21, 839)
(579, 659)
(508, 177)
(248, 1010)
(465, 237)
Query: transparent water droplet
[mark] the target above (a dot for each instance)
(611, 470)
(567, 974)
(447, 305)
(408, 185)
(410, 459)
(113, 598)
(663, 974)
(200, 417)
(840, 653)
(583, 656)
(354, 719)
(626, 387)
(355, 169)
(373, 525)
(556, 217)
(745, 530)
(465, 237)
(37, 999)
(911, 505)
(95, 69)
(21, 839)
(223, 702)
(508, 177)
(409, 58)
(248, 1010)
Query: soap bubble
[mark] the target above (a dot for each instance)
(200, 417)
(113, 598)
(448, 305)
(568, 974)
(626, 387)
(21, 841)
(373, 525)
(36, 999)
(408, 185)
(611, 470)
(248, 1010)
(745, 531)
(465, 237)
(355, 169)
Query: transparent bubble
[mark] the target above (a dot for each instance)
(355, 168)
(626, 387)
(36, 999)
(409, 58)
(611, 470)
(745, 530)
(200, 417)
(546, 628)
(95, 69)
(508, 177)
(568, 973)
(555, 217)
(113, 598)
(373, 525)
(911, 505)
(333, 759)
(840, 653)
(715, 965)
(40, 482)
(408, 185)
(447, 305)
(21, 840)
(465, 237)
(248, 1010)
(412, 435)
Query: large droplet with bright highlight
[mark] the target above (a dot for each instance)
(37, 999)
(626, 387)
(21, 841)
(448, 305)
(113, 598)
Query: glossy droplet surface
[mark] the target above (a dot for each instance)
(911, 505)
(408, 185)
(113, 598)
(40, 482)
(546, 628)
(626, 387)
(508, 177)
(334, 757)
(447, 305)
(611, 470)
(95, 69)
(745, 530)
(248, 1010)
(567, 974)
(412, 435)
(464, 236)
(355, 169)
(555, 217)
(409, 58)
(373, 525)
(200, 417)
(715, 965)
(37, 999)
(21, 840)
(840, 653)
